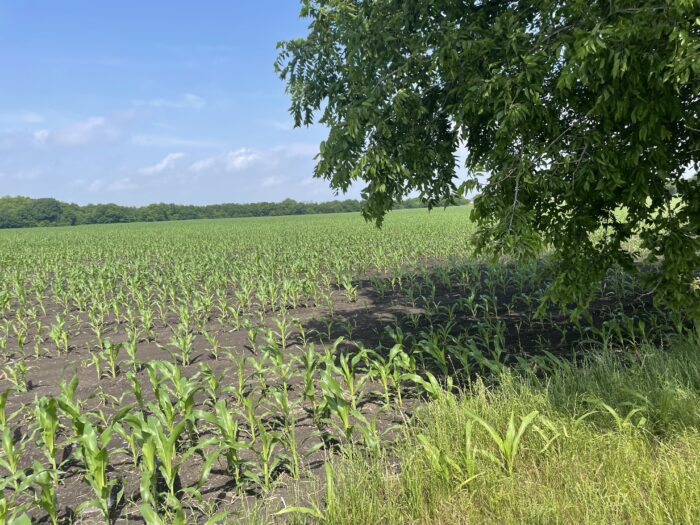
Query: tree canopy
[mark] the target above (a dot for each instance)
(23, 212)
(580, 120)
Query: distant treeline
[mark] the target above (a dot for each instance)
(23, 212)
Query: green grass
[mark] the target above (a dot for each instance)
(579, 462)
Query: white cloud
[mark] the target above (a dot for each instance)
(164, 164)
(241, 159)
(247, 158)
(232, 161)
(185, 101)
(161, 141)
(84, 132)
(204, 164)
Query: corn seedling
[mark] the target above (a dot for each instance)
(45, 481)
(335, 403)
(95, 454)
(348, 370)
(110, 354)
(16, 374)
(269, 462)
(46, 417)
(59, 335)
(228, 444)
(182, 341)
(508, 443)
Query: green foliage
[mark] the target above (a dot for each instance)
(23, 212)
(580, 122)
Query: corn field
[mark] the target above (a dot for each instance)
(190, 372)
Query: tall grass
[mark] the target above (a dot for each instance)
(616, 439)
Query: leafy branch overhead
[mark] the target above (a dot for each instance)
(580, 119)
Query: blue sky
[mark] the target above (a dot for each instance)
(136, 102)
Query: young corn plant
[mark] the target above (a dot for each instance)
(212, 382)
(241, 385)
(349, 288)
(95, 455)
(252, 333)
(96, 322)
(228, 443)
(214, 344)
(136, 388)
(633, 420)
(135, 438)
(163, 407)
(183, 343)
(46, 417)
(448, 469)
(131, 347)
(6, 418)
(348, 370)
(148, 485)
(268, 461)
(12, 452)
(280, 398)
(235, 314)
(260, 370)
(16, 374)
(335, 403)
(110, 355)
(152, 517)
(250, 405)
(302, 332)
(288, 439)
(380, 370)
(282, 333)
(431, 385)
(430, 346)
(166, 458)
(309, 362)
(12, 510)
(369, 431)
(282, 369)
(44, 483)
(70, 404)
(148, 322)
(507, 444)
(20, 336)
(59, 335)
(181, 388)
